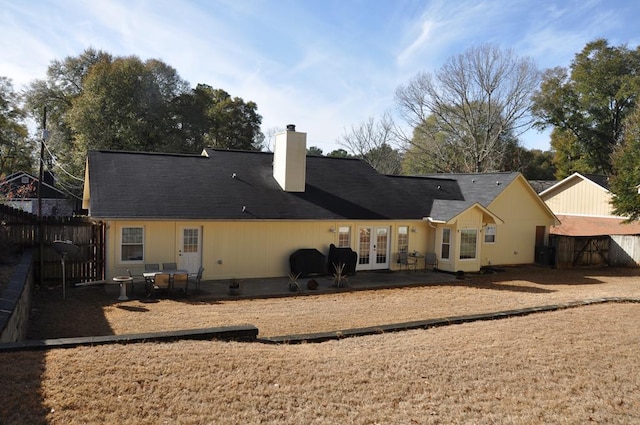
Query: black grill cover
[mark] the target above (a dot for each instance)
(345, 256)
(308, 262)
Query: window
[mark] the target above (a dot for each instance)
(132, 246)
(468, 239)
(403, 238)
(190, 240)
(344, 237)
(490, 234)
(446, 244)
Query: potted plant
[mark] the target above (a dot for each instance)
(235, 286)
(339, 279)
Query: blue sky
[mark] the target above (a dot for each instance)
(323, 65)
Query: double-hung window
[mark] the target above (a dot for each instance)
(132, 244)
(445, 247)
(490, 234)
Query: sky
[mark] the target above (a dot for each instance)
(323, 65)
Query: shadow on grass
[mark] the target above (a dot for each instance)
(80, 314)
(22, 395)
(133, 308)
(547, 276)
(497, 286)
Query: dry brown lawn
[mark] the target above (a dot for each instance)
(572, 366)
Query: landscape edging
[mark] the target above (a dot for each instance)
(433, 323)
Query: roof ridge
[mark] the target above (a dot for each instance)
(109, 151)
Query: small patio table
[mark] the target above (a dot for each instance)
(151, 275)
(419, 257)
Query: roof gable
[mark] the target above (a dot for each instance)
(15, 180)
(598, 181)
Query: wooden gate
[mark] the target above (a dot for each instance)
(20, 229)
(576, 251)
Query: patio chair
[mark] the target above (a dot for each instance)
(197, 277)
(181, 281)
(152, 267)
(431, 259)
(161, 282)
(135, 280)
(408, 262)
(169, 266)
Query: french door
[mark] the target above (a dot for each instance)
(190, 249)
(373, 248)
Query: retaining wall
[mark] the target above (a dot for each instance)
(15, 301)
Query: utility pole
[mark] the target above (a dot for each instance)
(40, 177)
(44, 138)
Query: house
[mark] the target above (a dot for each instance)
(20, 190)
(242, 214)
(590, 233)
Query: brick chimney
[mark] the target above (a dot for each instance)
(290, 159)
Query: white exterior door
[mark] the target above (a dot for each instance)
(373, 248)
(190, 249)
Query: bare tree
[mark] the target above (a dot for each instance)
(468, 107)
(373, 141)
(270, 138)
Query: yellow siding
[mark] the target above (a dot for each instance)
(521, 210)
(249, 249)
(580, 197)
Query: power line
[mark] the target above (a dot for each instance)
(57, 164)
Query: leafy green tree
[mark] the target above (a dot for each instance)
(625, 181)
(211, 117)
(124, 105)
(16, 149)
(568, 155)
(339, 153)
(314, 151)
(96, 101)
(385, 159)
(64, 82)
(469, 108)
(533, 164)
(591, 100)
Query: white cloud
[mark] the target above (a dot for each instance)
(322, 65)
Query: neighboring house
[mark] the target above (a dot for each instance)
(242, 214)
(590, 233)
(20, 190)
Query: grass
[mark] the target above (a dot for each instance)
(572, 366)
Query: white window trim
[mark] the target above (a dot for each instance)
(486, 233)
(442, 243)
(348, 233)
(120, 244)
(475, 255)
(398, 236)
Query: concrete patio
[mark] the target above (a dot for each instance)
(279, 286)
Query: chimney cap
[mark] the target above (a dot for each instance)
(291, 127)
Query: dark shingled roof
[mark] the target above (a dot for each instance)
(229, 184)
(599, 179)
(461, 191)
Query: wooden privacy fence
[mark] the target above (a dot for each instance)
(21, 229)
